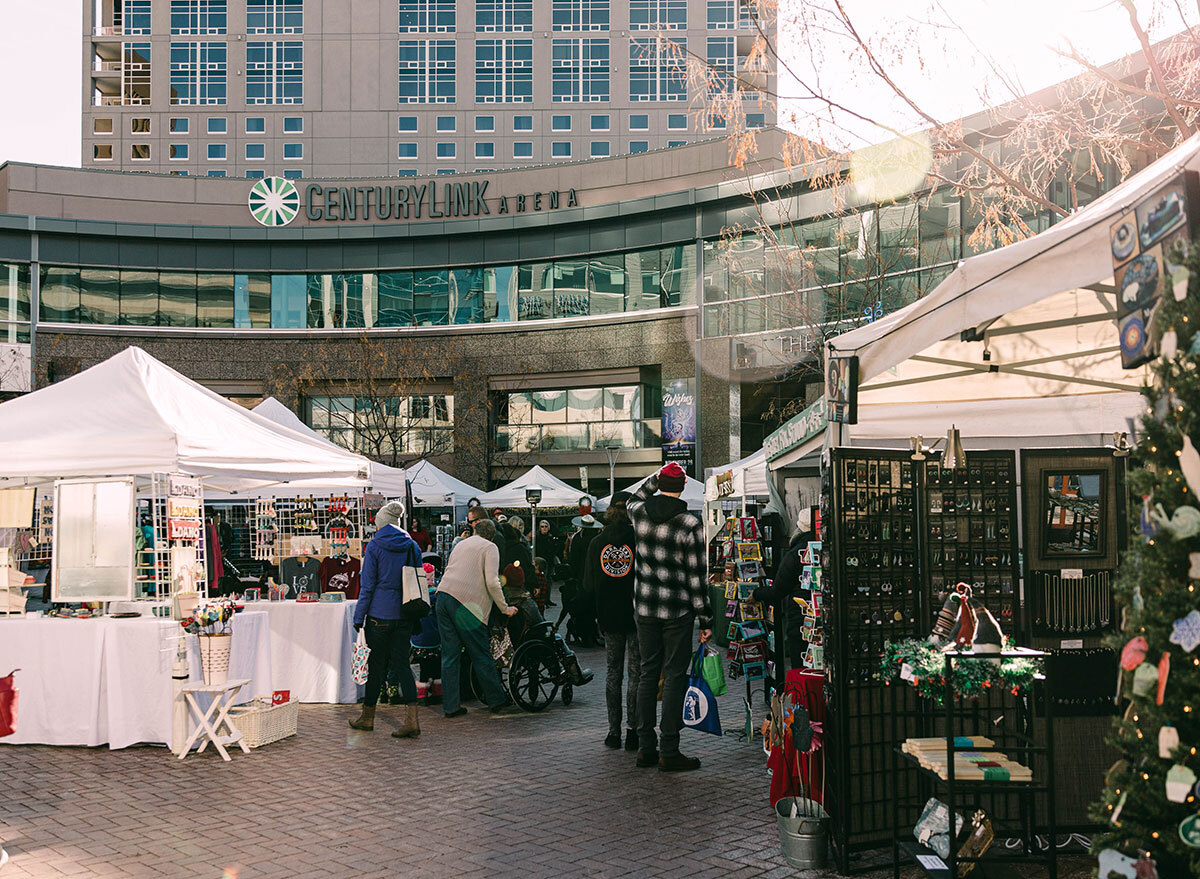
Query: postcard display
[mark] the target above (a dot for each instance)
(740, 552)
(896, 533)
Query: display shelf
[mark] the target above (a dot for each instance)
(982, 785)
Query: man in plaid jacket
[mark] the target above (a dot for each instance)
(669, 593)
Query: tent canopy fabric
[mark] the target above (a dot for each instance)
(133, 415)
(432, 486)
(1069, 255)
(555, 492)
(749, 472)
(693, 494)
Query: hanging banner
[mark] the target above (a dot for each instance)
(181, 486)
(679, 424)
(184, 529)
(183, 509)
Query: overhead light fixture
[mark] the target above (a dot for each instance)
(1121, 447)
(533, 495)
(954, 458)
(919, 452)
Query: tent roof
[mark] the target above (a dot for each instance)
(430, 485)
(555, 492)
(133, 415)
(754, 474)
(1067, 256)
(693, 494)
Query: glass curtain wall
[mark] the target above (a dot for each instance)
(574, 419)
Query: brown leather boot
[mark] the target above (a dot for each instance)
(410, 729)
(366, 720)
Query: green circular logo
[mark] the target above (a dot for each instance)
(274, 201)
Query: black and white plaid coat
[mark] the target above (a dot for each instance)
(670, 558)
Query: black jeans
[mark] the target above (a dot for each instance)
(666, 647)
(390, 644)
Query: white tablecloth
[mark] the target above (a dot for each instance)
(106, 681)
(312, 645)
(143, 606)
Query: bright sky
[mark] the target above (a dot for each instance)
(41, 57)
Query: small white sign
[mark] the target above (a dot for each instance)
(906, 672)
(1072, 644)
(931, 862)
(1071, 573)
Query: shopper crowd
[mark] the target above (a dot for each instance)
(638, 583)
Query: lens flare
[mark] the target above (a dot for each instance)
(891, 170)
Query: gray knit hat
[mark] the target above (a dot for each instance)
(389, 514)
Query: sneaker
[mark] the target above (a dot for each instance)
(458, 712)
(678, 763)
(631, 740)
(647, 759)
(612, 740)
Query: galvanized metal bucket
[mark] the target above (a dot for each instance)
(805, 837)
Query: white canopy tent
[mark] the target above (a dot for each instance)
(1044, 311)
(749, 476)
(555, 492)
(133, 415)
(433, 487)
(693, 494)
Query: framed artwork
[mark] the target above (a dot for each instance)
(749, 570)
(731, 608)
(731, 589)
(744, 590)
(749, 529)
(752, 630)
(755, 671)
(751, 610)
(841, 389)
(749, 551)
(734, 633)
(753, 650)
(253, 593)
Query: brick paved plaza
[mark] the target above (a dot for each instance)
(522, 796)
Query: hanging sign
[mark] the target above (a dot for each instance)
(183, 486)
(184, 529)
(796, 430)
(841, 389)
(182, 509)
(679, 424)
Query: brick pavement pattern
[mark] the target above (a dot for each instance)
(511, 797)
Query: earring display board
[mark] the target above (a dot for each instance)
(899, 533)
(278, 528)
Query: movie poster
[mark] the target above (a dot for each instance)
(679, 424)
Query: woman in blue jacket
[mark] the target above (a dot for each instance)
(381, 609)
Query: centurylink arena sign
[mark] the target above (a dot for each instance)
(275, 201)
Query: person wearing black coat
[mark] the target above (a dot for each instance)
(576, 602)
(786, 586)
(608, 579)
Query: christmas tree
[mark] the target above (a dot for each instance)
(1150, 807)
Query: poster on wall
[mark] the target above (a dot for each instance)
(679, 424)
(841, 389)
(1148, 246)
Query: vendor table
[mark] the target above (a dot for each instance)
(312, 645)
(106, 681)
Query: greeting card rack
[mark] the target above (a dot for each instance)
(739, 554)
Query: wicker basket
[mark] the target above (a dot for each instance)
(261, 722)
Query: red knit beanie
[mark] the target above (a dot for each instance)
(671, 478)
(514, 575)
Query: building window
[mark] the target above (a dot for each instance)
(388, 429)
(656, 69)
(580, 15)
(600, 149)
(139, 125)
(730, 14)
(677, 122)
(255, 174)
(407, 172)
(198, 16)
(275, 72)
(406, 151)
(406, 123)
(198, 73)
(139, 152)
(600, 123)
(443, 171)
(179, 152)
(133, 17)
(639, 146)
(293, 151)
(102, 126)
(503, 15)
(563, 420)
(653, 15)
(485, 123)
(560, 123)
(756, 120)
(427, 71)
(216, 173)
(256, 151)
(580, 70)
(102, 152)
(720, 66)
(293, 173)
(675, 143)
(256, 125)
(523, 149)
(218, 125)
(135, 75)
(504, 71)
(274, 16)
(217, 152)
(485, 150)
(427, 16)
(639, 122)
(293, 124)
(561, 149)
(447, 123)
(180, 125)
(522, 123)
(447, 150)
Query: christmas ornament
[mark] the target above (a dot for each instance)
(1168, 345)
(1179, 782)
(1164, 669)
(1186, 632)
(1182, 524)
(1134, 653)
(1189, 463)
(1189, 830)
(1116, 815)
(1168, 741)
(1145, 868)
(1179, 283)
(1146, 524)
(1145, 679)
(1113, 863)
(1139, 603)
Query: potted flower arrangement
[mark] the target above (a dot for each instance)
(212, 622)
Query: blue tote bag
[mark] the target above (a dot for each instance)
(699, 705)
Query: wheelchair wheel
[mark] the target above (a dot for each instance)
(533, 676)
(568, 693)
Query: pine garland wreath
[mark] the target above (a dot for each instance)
(1159, 586)
(923, 665)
